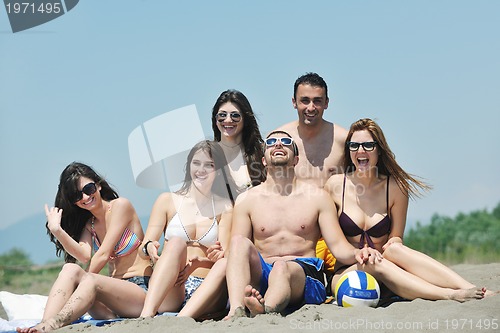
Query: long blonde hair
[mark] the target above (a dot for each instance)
(386, 164)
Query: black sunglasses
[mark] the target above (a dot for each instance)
(367, 146)
(221, 116)
(88, 189)
(284, 141)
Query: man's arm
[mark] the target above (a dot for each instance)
(241, 221)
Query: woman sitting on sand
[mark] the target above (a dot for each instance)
(91, 224)
(237, 132)
(196, 221)
(372, 201)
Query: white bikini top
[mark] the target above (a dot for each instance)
(175, 228)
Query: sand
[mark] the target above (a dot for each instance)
(415, 316)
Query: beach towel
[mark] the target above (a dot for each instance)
(27, 311)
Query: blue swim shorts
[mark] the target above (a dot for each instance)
(314, 288)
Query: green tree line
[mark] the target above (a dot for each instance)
(467, 238)
(19, 275)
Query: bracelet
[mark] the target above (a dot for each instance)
(145, 248)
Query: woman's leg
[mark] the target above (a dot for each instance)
(67, 281)
(211, 295)
(425, 267)
(123, 298)
(101, 311)
(339, 273)
(165, 273)
(410, 286)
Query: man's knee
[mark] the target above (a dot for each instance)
(280, 269)
(240, 245)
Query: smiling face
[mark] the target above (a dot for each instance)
(229, 128)
(202, 170)
(88, 201)
(363, 160)
(279, 154)
(310, 103)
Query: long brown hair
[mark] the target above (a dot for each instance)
(252, 139)
(222, 183)
(386, 164)
(74, 218)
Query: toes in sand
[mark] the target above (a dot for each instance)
(254, 301)
(464, 295)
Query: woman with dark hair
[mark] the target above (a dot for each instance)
(372, 202)
(92, 225)
(196, 221)
(236, 130)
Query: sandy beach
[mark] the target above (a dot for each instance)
(414, 316)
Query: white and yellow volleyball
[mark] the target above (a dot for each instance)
(357, 288)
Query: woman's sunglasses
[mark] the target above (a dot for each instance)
(284, 141)
(221, 116)
(367, 146)
(88, 189)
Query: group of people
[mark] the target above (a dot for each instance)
(264, 225)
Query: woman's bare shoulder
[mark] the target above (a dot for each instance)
(334, 181)
(120, 203)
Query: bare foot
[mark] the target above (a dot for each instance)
(464, 295)
(490, 292)
(146, 315)
(40, 328)
(238, 312)
(254, 301)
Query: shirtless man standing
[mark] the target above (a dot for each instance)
(321, 143)
(271, 262)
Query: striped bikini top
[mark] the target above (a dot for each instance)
(127, 243)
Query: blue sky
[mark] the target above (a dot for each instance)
(76, 87)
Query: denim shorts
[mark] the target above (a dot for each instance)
(141, 281)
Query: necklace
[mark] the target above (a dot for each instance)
(200, 207)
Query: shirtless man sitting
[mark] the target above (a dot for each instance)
(320, 142)
(271, 262)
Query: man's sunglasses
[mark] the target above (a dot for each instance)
(88, 189)
(284, 141)
(367, 146)
(221, 116)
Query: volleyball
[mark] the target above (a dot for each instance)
(357, 288)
